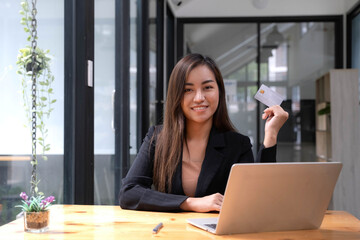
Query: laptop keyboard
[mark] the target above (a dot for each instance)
(213, 225)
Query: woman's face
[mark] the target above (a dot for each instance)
(201, 95)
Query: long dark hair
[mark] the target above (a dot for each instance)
(170, 140)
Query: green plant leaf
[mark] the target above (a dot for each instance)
(325, 110)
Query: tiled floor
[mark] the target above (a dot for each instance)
(293, 152)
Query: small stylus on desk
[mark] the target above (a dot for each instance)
(157, 228)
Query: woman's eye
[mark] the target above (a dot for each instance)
(187, 90)
(208, 87)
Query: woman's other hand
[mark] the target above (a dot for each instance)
(204, 204)
(275, 118)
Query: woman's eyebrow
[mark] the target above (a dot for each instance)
(207, 81)
(204, 82)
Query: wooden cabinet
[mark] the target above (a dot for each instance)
(323, 126)
(338, 133)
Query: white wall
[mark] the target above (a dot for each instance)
(311, 56)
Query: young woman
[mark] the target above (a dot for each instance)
(184, 164)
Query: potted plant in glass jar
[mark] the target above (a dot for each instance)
(36, 212)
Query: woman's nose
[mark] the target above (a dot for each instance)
(199, 97)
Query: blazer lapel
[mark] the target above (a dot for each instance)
(212, 161)
(177, 179)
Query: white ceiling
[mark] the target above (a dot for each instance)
(247, 8)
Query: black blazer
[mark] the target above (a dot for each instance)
(223, 150)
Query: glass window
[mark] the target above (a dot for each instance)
(252, 70)
(355, 40)
(304, 28)
(152, 61)
(264, 71)
(133, 77)
(15, 150)
(104, 72)
(277, 65)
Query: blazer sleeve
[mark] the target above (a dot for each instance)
(246, 154)
(136, 192)
(266, 154)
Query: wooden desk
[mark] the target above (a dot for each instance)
(111, 222)
(15, 158)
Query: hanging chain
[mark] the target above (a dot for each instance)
(33, 95)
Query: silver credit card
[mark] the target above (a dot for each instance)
(268, 96)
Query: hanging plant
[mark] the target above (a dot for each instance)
(36, 86)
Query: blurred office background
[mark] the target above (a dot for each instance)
(95, 132)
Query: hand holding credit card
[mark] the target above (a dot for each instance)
(268, 97)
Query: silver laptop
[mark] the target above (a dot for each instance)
(266, 197)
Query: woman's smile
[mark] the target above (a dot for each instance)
(199, 108)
